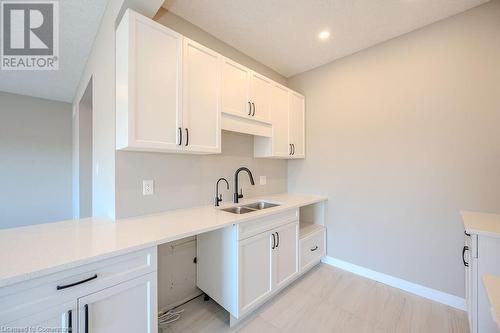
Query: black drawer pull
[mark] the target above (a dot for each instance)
(466, 248)
(314, 248)
(77, 283)
(274, 242)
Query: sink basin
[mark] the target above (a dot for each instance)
(261, 205)
(238, 210)
(250, 207)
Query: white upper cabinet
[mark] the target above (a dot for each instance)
(148, 78)
(245, 93)
(201, 102)
(280, 105)
(288, 126)
(174, 95)
(260, 97)
(235, 99)
(297, 125)
(167, 90)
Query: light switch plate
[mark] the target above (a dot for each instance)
(263, 180)
(148, 187)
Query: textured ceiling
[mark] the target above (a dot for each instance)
(282, 34)
(78, 24)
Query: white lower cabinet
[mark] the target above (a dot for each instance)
(285, 255)
(59, 318)
(255, 263)
(126, 307)
(242, 266)
(480, 257)
(112, 295)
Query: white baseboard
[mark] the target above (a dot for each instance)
(432, 294)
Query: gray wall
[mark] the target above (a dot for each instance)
(401, 137)
(183, 181)
(35, 160)
(186, 180)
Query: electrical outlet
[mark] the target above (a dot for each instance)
(148, 187)
(263, 180)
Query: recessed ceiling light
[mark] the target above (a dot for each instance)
(324, 34)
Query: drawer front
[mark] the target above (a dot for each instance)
(312, 249)
(24, 298)
(263, 224)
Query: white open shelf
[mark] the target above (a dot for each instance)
(311, 219)
(307, 229)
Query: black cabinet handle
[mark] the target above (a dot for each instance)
(466, 248)
(314, 248)
(466, 234)
(290, 153)
(70, 321)
(249, 108)
(86, 318)
(77, 283)
(253, 114)
(274, 242)
(187, 136)
(278, 240)
(293, 148)
(180, 136)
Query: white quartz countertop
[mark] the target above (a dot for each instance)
(33, 251)
(492, 285)
(481, 223)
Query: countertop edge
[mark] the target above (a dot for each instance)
(23, 277)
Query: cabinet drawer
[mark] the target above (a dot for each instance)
(22, 299)
(263, 224)
(312, 249)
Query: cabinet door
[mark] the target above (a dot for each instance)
(235, 89)
(149, 68)
(286, 263)
(297, 125)
(201, 103)
(126, 307)
(487, 263)
(279, 115)
(61, 318)
(254, 271)
(260, 97)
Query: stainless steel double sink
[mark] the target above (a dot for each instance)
(253, 207)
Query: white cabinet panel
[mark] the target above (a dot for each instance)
(126, 307)
(487, 263)
(285, 254)
(61, 318)
(254, 271)
(201, 103)
(297, 125)
(279, 106)
(260, 97)
(148, 78)
(235, 89)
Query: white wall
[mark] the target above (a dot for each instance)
(101, 68)
(401, 137)
(35, 160)
(195, 33)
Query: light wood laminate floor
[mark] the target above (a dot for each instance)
(328, 299)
